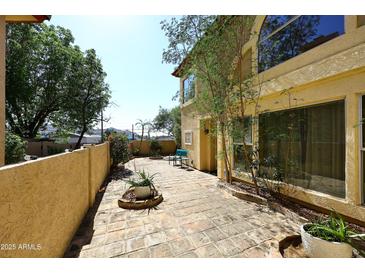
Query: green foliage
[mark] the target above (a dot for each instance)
(88, 92)
(155, 148)
(163, 121)
(183, 34)
(54, 150)
(144, 125)
(334, 229)
(37, 72)
(14, 148)
(143, 179)
(118, 148)
(49, 79)
(135, 150)
(212, 50)
(169, 121)
(176, 131)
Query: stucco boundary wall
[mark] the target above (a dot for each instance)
(41, 149)
(43, 202)
(168, 146)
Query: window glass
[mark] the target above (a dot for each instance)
(305, 147)
(242, 128)
(273, 23)
(189, 88)
(240, 163)
(280, 42)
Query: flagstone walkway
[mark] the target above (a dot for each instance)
(196, 219)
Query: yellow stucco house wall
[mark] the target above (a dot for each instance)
(334, 70)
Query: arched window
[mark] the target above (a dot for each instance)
(284, 36)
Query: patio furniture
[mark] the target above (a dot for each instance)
(180, 155)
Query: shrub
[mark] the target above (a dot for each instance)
(134, 150)
(155, 148)
(118, 148)
(14, 148)
(54, 150)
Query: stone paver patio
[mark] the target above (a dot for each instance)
(196, 219)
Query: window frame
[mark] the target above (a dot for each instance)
(183, 88)
(296, 17)
(191, 137)
(242, 144)
(312, 104)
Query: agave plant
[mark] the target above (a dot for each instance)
(144, 179)
(335, 229)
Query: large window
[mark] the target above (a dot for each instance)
(284, 36)
(189, 88)
(242, 139)
(305, 147)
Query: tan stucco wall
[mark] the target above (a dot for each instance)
(99, 168)
(43, 202)
(332, 71)
(208, 147)
(2, 90)
(168, 146)
(190, 122)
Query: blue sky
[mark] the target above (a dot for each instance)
(130, 48)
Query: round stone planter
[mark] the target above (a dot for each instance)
(317, 248)
(140, 204)
(156, 157)
(142, 192)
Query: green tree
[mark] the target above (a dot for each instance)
(118, 148)
(169, 122)
(163, 121)
(175, 114)
(212, 50)
(88, 94)
(14, 148)
(143, 125)
(37, 73)
(197, 42)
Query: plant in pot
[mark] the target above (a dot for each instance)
(330, 238)
(143, 186)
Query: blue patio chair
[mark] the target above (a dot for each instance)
(180, 155)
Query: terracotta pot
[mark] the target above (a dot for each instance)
(317, 248)
(142, 192)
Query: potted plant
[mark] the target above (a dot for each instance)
(330, 238)
(143, 186)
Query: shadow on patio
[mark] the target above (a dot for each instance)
(196, 219)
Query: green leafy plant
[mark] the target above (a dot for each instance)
(118, 148)
(14, 148)
(335, 229)
(155, 147)
(54, 150)
(143, 179)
